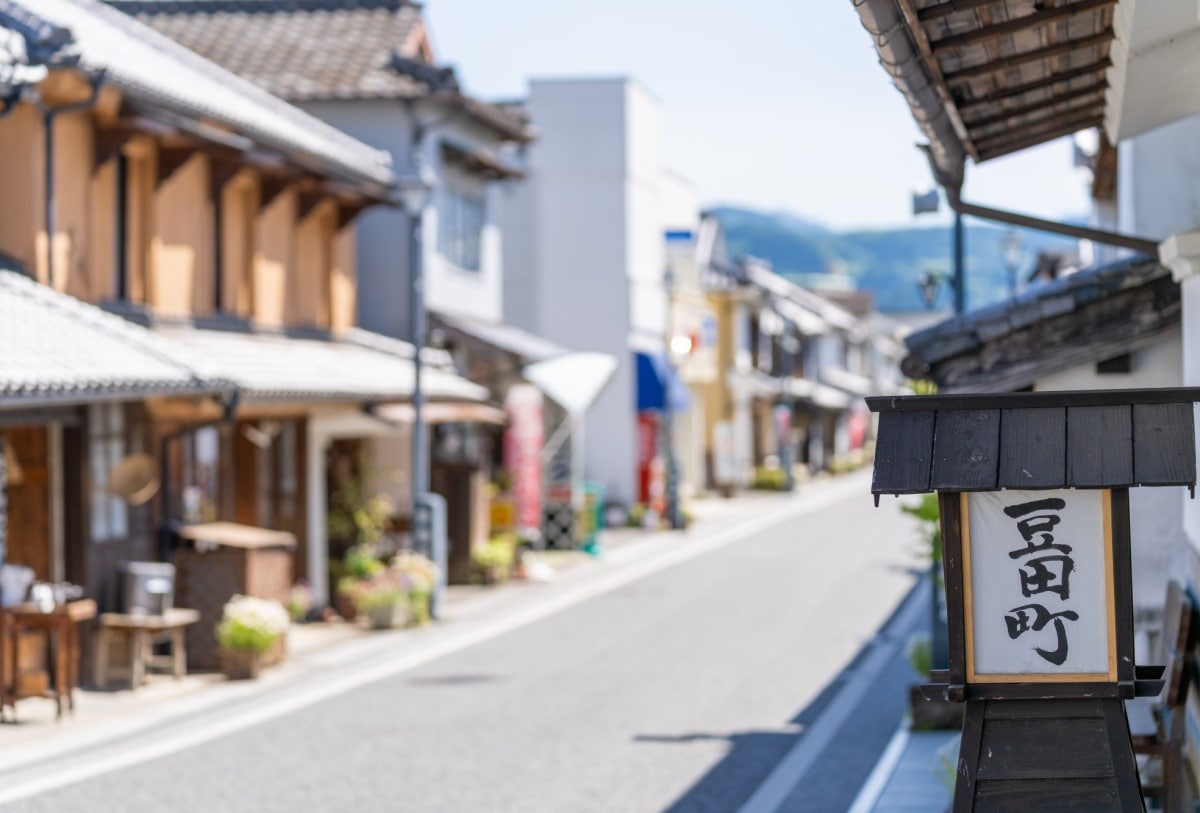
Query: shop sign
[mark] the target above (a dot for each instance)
(1040, 604)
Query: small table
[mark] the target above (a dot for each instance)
(141, 630)
(62, 626)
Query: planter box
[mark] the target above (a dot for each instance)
(388, 616)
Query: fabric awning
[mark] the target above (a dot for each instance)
(528, 346)
(659, 385)
(575, 380)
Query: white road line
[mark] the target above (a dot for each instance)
(271, 708)
(872, 789)
(831, 723)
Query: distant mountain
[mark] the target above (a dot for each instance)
(886, 262)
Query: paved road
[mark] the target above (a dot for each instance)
(679, 691)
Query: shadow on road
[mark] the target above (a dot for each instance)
(832, 782)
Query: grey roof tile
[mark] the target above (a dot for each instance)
(273, 366)
(312, 50)
(57, 349)
(153, 68)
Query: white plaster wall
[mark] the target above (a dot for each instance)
(382, 233)
(1156, 515)
(1159, 180)
(574, 242)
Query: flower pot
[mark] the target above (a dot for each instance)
(241, 664)
(344, 603)
(387, 616)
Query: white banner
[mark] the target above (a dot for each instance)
(1039, 568)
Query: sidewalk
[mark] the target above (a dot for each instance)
(319, 655)
(909, 776)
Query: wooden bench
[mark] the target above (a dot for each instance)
(1159, 728)
(141, 632)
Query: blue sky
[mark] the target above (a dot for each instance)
(774, 104)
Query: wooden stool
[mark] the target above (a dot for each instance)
(141, 632)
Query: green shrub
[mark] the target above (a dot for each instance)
(766, 479)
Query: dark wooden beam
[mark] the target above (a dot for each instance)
(1059, 104)
(946, 9)
(108, 142)
(171, 160)
(222, 167)
(949, 104)
(1040, 84)
(1023, 139)
(1024, 58)
(347, 211)
(270, 187)
(309, 198)
(1015, 400)
(1037, 19)
(1104, 170)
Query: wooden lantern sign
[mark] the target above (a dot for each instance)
(1034, 496)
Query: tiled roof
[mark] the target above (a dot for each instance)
(297, 50)
(277, 367)
(1086, 317)
(311, 50)
(55, 349)
(157, 71)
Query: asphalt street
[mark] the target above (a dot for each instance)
(682, 690)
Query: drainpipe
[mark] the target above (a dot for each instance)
(48, 116)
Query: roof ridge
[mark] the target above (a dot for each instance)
(252, 6)
(358, 155)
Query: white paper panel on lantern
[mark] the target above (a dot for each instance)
(1040, 600)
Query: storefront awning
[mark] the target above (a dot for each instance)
(527, 346)
(659, 385)
(442, 412)
(573, 381)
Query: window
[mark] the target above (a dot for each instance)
(106, 448)
(460, 226)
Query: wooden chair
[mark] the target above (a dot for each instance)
(1167, 734)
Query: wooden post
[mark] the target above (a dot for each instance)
(1033, 490)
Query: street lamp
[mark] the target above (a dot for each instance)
(414, 193)
(672, 484)
(1012, 244)
(928, 283)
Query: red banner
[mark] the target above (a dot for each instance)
(523, 440)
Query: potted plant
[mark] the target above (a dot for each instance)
(493, 561)
(248, 628)
(359, 566)
(422, 577)
(300, 601)
(384, 600)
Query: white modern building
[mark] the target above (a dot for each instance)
(584, 251)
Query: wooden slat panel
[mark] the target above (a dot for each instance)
(966, 450)
(1013, 400)
(903, 453)
(1033, 448)
(1034, 709)
(1075, 748)
(1099, 446)
(1092, 795)
(1164, 444)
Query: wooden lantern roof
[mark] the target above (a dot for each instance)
(1035, 440)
